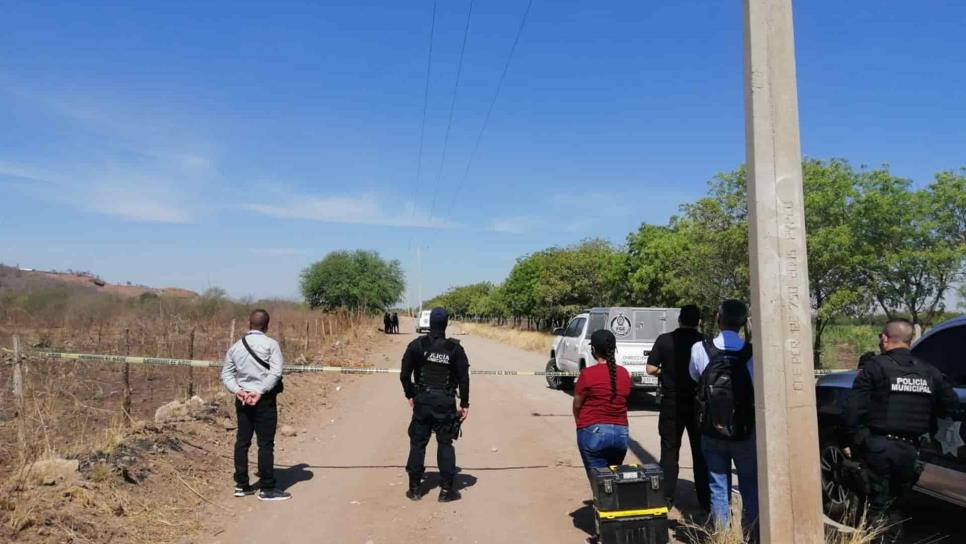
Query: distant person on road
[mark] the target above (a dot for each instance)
(253, 373)
(433, 368)
(895, 399)
(386, 323)
(600, 405)
(395, 323)
(669, 360)
(723, 369)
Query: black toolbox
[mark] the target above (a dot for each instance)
(629, 504)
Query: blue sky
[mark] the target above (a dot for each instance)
(191, 145)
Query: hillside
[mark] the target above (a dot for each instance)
(16, 281)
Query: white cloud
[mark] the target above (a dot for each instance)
(516, 225)
(113, 156)
(575, 213)
(599, 204)
(364, 209)
(135, 203)
(118, 191)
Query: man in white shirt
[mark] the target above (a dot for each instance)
(729, 353)
(253, 373)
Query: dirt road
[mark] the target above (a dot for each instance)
(521, 478)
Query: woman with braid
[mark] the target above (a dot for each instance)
(600, 405)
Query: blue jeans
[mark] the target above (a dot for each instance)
(718, 455)
(602, 445)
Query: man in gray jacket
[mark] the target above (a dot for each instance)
(253, 373)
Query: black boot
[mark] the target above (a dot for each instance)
(414, 492)
(448, 492)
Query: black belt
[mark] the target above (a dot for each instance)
(425, 389)
(900, 438)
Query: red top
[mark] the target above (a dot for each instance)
(599, 405)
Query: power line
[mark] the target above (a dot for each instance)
(422, 123)
(452, 107)
(489, 110)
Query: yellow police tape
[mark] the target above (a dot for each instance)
(165, 361)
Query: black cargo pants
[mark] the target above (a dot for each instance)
(433, 412)
(672, 422)
(259, 420)
(892, 472)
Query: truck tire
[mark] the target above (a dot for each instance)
(554, 382)
(839, 499)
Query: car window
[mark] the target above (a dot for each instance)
(944, 350)
(576, 327)
(570, 327)
(597, 322)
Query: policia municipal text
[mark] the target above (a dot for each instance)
(433, 367)
(894, 401)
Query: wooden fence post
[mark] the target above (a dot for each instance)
(306, 345)
(191, 369)
(231, 335)
(126, 403)
(18, 396)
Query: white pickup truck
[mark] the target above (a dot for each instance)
(422, 322)
(635, 330)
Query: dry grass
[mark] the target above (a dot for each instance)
(537, 342)
(858, 530)
(73, 410)
(710, 533)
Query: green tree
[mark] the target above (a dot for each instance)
(492, 306)
(700, 257)
(549, 286)
(212, 300)
(910, 250)
(949, 193)
(831, 188)
(655, 255)
(460, 301)
(520, 287)
(358, 280)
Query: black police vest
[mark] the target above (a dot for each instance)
(908, 399)
(436, 369)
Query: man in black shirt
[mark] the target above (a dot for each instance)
(669, 361)
(433, 368)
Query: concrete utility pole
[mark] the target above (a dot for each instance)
(787, 430)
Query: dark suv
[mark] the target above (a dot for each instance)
(944, 477)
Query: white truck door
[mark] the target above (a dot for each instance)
(575, 336)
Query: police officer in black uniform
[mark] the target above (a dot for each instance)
(433, 368)
(894, 401)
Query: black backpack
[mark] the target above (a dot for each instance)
(726, 396)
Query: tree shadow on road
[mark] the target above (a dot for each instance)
(286, 477)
